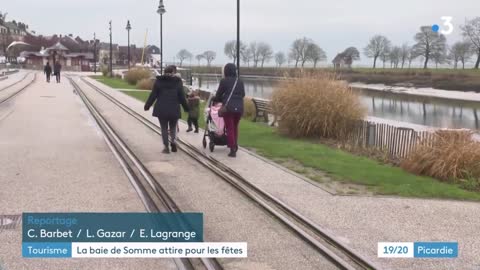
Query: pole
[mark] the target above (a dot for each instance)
(128, 49)
(111, 51)
(94, 53)
(238, 38)
(161, 43)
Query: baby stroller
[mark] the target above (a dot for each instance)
(214, 126)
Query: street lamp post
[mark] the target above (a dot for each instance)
(94, 53)
(129, 27)
(238, 38)
(161, 10)
(111, 50)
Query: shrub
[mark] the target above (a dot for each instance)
(105, 71)
(136, 74)
(248, 109)
(118, 76)
(452, 156)
(317, 106)
(145, 84)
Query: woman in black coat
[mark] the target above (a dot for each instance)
(234, 105)
(168, 94)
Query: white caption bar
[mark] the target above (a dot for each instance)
(159, 250)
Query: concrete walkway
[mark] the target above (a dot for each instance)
(54, 159)
(360, 222)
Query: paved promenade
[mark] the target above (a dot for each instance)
(360, 222)
(55, 160)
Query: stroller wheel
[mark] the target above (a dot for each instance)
(204, 142)
(211, 146)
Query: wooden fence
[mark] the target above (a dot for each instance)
(397, 141)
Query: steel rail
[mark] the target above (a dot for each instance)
(341, 255)
(156, 189)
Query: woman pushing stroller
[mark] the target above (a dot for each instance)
(231, 92)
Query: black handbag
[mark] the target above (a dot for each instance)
(224, 109)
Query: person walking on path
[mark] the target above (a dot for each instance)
(47, 70)
(231, 92)
(194, 111)
(168, 94)
(57, 68)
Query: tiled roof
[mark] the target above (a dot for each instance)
(58, 47)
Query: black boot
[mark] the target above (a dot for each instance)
(174, 147)
(189, 129)
(166, 150)
(232, 153)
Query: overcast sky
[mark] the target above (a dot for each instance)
(200, 25)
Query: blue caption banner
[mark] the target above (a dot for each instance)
(435, 250)
(47, 250)
(111, 227)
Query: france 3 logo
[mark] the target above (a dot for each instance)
(446, 28)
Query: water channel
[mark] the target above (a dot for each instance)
(429, 111)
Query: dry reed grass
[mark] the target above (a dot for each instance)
(248, 109)
(317, 106)
(135, 75)
(453, 156)
(145, 84)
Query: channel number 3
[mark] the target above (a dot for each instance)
(447, 22)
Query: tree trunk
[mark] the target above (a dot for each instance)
(478, 59)
(374, 62)
(296, 63)
(463, 64)
(425, 65)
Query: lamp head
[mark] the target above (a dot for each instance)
(161, 8)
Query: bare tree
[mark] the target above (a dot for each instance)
(209, 56)
(395, 56)
(280, 58)
(183, 55)
(439, 57)
(429, 43)
(315, 54)
(411, 57)
(460, 51)
(298, 51)
(246, 55)
(352, 52)
(385, 55)
(254, 50)
(471, 30)
(199, 58)
(230, 49)
(377, 47)
(405, 52)
(265, 53)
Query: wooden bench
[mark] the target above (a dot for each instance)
(262, 109)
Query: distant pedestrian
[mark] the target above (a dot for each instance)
(57, 68)
(194, 111)
(47, 70)
(168, 94)
(231, 92)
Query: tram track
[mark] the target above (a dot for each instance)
(15, 93)
(325, 243)
(15, 83)
(152, 194)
